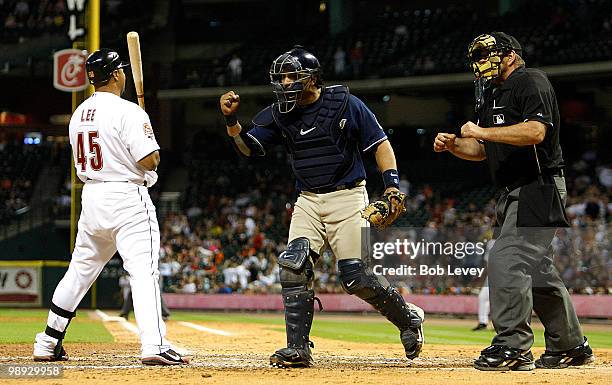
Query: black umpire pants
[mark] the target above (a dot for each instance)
(522, 278)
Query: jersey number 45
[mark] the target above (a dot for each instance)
(95, 151)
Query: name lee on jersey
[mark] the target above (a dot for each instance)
(89, 116)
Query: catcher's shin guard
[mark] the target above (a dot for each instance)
(299, 311)
(296, 276)
(408, 318)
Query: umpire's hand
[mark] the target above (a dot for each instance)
(444, 142)
(471, 130)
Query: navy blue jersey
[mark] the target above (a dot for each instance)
(359, 123)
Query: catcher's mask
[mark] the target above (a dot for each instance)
(486, 52)
(289, 73)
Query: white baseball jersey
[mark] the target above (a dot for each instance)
(109, 135)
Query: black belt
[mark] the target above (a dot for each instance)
(345, 186)
(524, 181)
(115, 181)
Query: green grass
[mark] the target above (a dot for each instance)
(357, 328)
(25, 313)
(22, 326)
(251, 318)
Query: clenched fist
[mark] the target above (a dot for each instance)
(471, 130)
(444, 142)
(229, 103)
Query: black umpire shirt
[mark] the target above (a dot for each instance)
(525, 95)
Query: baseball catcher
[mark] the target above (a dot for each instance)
(325, 131)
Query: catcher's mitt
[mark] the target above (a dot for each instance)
(379, 213)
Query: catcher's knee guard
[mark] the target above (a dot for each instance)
(296, 266)
(408, 318)
(296, 277)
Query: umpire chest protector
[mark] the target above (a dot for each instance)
(321, 151)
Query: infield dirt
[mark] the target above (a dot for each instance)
(242, 358)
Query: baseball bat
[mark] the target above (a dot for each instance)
(133, 42)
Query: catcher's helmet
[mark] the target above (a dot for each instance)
(299, 66)
(486, 51)
(101, 64)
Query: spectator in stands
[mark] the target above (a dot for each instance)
(128, 302)
(167, 270)
(10, 22)
(219, 73)
(22, 10)
(235, 69)
(339, 62)
(428, 64)
(401, 30)
(604, 174)
(404, 184)
(356, 56)
(190, 285)
(193, 79)
(205, 239)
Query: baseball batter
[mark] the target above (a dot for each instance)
(325, 130)
(115, 154)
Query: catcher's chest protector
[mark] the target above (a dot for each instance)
(320, 148)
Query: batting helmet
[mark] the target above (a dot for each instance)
(299, 66)
(101, 64)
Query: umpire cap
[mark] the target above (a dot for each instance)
(101, 64)
(508, 42)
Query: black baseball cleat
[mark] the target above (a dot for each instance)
(59, 354)
(580, 355)
(169, 357)
(292, 358)
(480, 326)
(413, 338)
(504, 358)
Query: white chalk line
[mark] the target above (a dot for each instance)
(262, 364)
(134, 329)
(107, 318)
(205, 329)
(259, 361)
(257, 357)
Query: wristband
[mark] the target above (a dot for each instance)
(391, 178)
(230, 120)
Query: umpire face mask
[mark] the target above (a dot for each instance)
(485, 56)
(288, 80)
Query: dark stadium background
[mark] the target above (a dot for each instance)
(222, 215)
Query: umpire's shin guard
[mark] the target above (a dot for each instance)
(408, 318)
